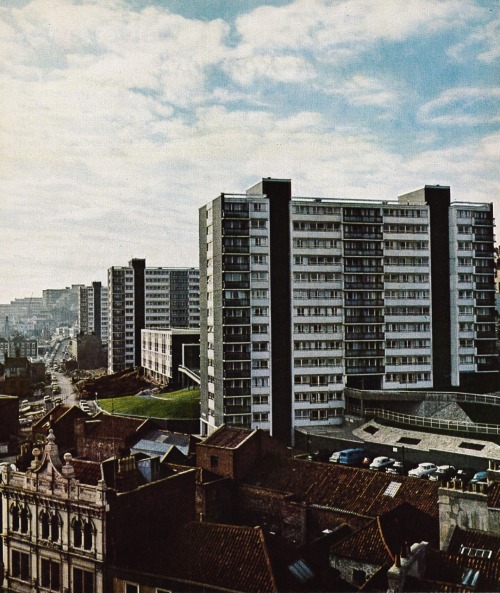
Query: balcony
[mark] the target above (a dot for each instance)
(364, 319)
(349, 285)
(364, 302)
(237, 410)
(363, 252)
(364, 218)
(240, 338)
(365, 353)
(243, 374)
(364, 269)
(237, 356)
(361, 336)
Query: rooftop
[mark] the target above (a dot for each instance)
(228, 437)
(345, 489)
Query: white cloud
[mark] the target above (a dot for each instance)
(364, 90)
(483, 42)
(463, 106)
(322, 24)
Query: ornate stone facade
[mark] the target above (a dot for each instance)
(53, 531)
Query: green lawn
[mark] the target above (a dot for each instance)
(177, 404)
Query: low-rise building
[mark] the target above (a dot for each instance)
(171, 356)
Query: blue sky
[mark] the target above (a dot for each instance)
(120, 119)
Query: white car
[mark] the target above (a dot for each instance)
(381, 463)
(423, 470)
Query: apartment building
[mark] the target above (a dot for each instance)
(93, 311)
(147, 298)
(301, 297)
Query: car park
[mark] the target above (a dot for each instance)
(381, 463)
(423, 470)
(444, 473)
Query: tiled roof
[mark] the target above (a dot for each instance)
(351, 490)
(446, 569)
(226, 557)
(494, 495)
(53, 415)
(382, 538)
(478, 540)
(88, 472)
(228, 437)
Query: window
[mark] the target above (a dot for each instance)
(20, 565)
(83, 581)
(51, 575)
(83, 534)
(20, 519)
(214, 461)
(131, 588)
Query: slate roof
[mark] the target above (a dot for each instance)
(228, 437)
(53, 416)
(159, 442)
(346, 489)
(382, 539)
(225, 557)
(109, 426)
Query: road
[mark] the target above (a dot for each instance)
(68, 393)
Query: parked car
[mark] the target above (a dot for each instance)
(396, 468)
(381, 463)
(351, 456)
(335, 457)
(423, 470)
(479, 478)
(444, 473)
(464, 475)
(320, 455)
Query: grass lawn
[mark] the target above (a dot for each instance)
(177, 404)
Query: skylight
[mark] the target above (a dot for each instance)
(475, 552)
(392, 489)
(301, 571)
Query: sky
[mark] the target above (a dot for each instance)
(120, 119)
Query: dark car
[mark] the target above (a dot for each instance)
(464, 475)
(444, 473)
(320, 455)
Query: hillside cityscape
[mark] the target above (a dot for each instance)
(249, 296)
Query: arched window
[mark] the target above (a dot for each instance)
(24, 516)
(77, 533)
(44, 525)
(88, 535)
(15, 518)
(54, 527)
(83, 534)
